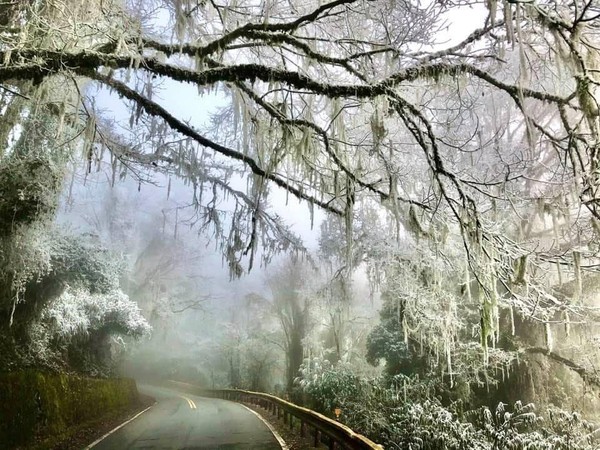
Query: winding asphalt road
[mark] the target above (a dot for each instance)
(187, 422)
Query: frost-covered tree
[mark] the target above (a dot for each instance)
(336, 101)
(480, 155)
(291, 305)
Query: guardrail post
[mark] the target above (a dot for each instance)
(317, 439)
(291, 422)
(302, 428)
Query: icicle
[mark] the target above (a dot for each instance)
(496, 324)
(549, 342)
(114, 170)
(449, 364)
(567, 324)
(512, 320)
(468, 279)
(577, 273)
(14, 307)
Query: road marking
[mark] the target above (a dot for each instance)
(280, 440)
(97, 441)
(191, 403)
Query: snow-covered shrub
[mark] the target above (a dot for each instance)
(77, 311)
(80, 330)
(330, 387)
(404, 415)
(37, 262)
(63, 292)
(81, 261)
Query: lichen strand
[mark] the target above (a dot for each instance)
(490, 315)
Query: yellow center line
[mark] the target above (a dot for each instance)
(191, 403)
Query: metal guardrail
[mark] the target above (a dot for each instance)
(324, 429)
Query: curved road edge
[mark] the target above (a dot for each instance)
(282, 443)
(100, 439)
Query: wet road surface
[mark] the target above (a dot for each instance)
(187, 422)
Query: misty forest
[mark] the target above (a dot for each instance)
(390, 207)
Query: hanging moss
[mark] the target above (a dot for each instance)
(490, 317)
(521, 270)
(586, 100)
(486, 323)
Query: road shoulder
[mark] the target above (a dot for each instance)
(85, 434)
(292, 438)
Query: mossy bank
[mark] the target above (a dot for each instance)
(38, 409)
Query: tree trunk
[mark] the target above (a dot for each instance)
(295, 358)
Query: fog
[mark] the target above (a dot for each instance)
(196, 309)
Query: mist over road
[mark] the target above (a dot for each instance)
(184, 421)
